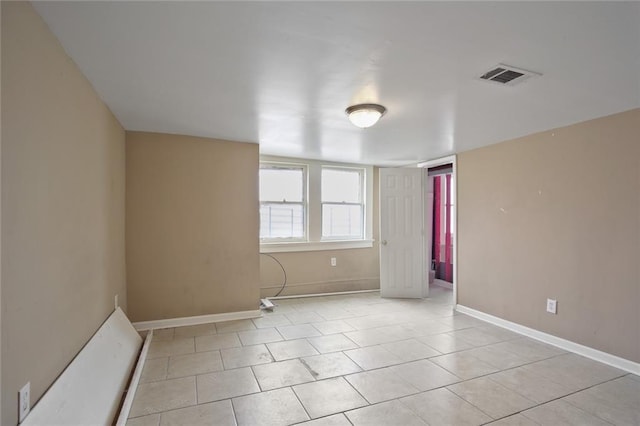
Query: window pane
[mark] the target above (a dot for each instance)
(281, 221)
(341, 220)
(281, 184)
(340, 186)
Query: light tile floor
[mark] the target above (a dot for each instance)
(363, 360)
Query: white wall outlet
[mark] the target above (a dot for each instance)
(24, 401)
(552, 306)
(116, 301)
(334, 262)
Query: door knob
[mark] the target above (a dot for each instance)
(383, 242)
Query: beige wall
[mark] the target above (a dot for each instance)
(556, 215)
(311, 272)
(192, 226)
(62, 208)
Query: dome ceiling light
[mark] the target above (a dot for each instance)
(365, 115)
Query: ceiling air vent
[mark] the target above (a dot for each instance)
(507, 75)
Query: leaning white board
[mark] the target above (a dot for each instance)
(89, 390)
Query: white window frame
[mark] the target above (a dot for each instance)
(361, 174)
(304, 203)
(314, 240)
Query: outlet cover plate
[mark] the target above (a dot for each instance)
(24, 401)
(334, 261)
(552, 306)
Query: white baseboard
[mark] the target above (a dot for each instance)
(568, 345)
(335, 293)
(135, 379)
(200, 319)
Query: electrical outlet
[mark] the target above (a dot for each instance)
(24, 402)
(116, 301)
(552, 306)
(334, 262)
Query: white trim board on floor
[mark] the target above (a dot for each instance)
(89, 390)
(568, 345)
(334, 293)
(133, 385)
(196, 320)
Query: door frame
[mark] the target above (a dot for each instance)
(451, 159)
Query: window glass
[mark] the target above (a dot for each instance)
(281, 221)
(282, 202)
(342, 206)
(278, 184)
(341, 220)
(341, 186)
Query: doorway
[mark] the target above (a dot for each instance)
(406, 225)
(441, 178)
(441, 210)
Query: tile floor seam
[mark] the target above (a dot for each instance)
(404, 396)
(590, 387)
(351, 340)
(301, 404)
(509, 368)
(233, 409)
(306, 339)
(468, 349)
(223, 399)
(279, 334)
(537, 404)
(224, 367)
(166, 375)
(478, 408)
(580, 409)
(559, 398)
(256, 379)
(506, 369)
(585, 411)
(522, 336)
(312, 326)
(266, 345)
(195, 381)
(344, 377)
(160, 413)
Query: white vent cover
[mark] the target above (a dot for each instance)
(507, 75)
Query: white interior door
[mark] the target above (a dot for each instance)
(402, 220)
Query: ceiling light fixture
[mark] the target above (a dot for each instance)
(365, 115)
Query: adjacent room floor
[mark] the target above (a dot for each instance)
(360, 359)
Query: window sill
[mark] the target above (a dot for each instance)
(314, 246)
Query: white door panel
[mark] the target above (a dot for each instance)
(402, 257)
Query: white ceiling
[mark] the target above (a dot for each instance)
(281, 74)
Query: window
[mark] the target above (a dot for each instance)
(342, 203)
(308, 205)
(282, 202)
